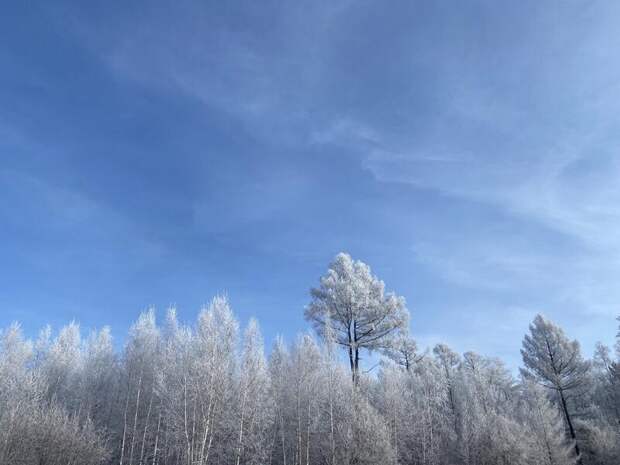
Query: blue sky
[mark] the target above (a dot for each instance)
(162, 152)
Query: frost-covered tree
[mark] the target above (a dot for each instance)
(403, 350)
(99, 381)
(192, 394)
(555, 362)
(62, 365)
(546, 442)
(304, 372)
(212, 372)
(600, 442)
(361, 313)
(606, 381)
(255, 409)
(368, 440)
(448, 360)
(331, 375)
(489, 432)
(34, 428)
(20, 391)
(141, 362)
(279, 366)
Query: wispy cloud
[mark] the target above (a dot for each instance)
(534, 141)
(482, 141)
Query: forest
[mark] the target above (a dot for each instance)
(210, 393)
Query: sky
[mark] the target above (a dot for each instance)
(159, 153)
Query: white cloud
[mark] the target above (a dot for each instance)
(526, 127)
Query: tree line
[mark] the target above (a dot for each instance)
(205, 394)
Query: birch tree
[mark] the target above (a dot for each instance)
(62, 366)
(212, 371)
(279, 366)
(448, 361)
(141, 362)
(36, 429)
(190, 394)
(99, 382)
(255, 412)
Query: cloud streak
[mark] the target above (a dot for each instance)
(516, 125)
(469, 152)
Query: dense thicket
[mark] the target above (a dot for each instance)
(208, 394)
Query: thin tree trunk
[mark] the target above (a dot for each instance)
(331, 409)
(298, 452)
(188, 444)
(210, 439)
(207, 420)
(308, 435)
(356, 369)
(166, 446)
(546, 435)
(282, 437)
(146, 425)
(156, 439)
(135, 420)
(240, 445)
(125, 422)
(571, 429)
(357, 364)
(193, 449)
(351, 358)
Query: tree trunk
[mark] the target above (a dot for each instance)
(207, 422)
(125, 422)
(185, 426)
(135, 420)
(282, 437)
(357, 354)
(240, 445)
(298, 446)
(156, 439)
(308, 435)
(146, 426)
(351, 360)
(571, 429)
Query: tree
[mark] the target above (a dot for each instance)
(279, 366)
(606, 379)
(212, 372)
(63, 365)
(403, 350)
(304, 379)
(141, 363)
(33, 427)
(100, 377)
(547, 444)
(193, 395)
(555, 362)
(255, 409)
(449, 360)
(370, 437)
(362, 314)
